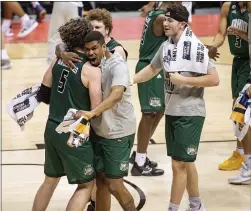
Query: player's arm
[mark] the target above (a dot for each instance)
(146, 74)
(44, 92)
(208, 80)
(91, 78)
(120, 81)
(222, 30)
(67, 57)
(158, 27)
(151, 70)
(120, 50)
(146, 8)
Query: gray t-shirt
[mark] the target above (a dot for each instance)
(181, 100)
(119, 121)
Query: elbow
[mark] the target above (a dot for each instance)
(215, 81)
(118, 98)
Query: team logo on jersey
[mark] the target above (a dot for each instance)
(155, 102)
(191, 150)
(88, 170)
(234, 7)
(124, 166)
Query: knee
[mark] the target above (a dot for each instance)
(114, 185)
(149, 116)
(178, 166)
(51, 180)
(100, 180)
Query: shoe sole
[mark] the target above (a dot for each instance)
(241, 183)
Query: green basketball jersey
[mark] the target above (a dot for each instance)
(67, 90)
(238, 46)
(150, 43)
(113, 44)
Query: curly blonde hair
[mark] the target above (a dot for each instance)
(101, 15)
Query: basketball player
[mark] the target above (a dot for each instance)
(61, 13)
(151, 4)
(114, 130)
(184, 107)
(151, 93)
(100, 20)
(63, 89)
(234, 24)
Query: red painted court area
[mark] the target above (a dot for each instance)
(123, 29)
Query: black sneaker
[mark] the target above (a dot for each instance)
(150, 163)
(145, 170)
(90, 207)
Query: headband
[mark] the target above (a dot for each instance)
(176, 16)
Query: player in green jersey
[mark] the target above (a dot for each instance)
(234, 24)
(100, 20)
(63, 89)
(151, 93)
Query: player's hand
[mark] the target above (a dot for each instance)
(177, 78)
(249, 91)
(69, 58)
(212, 52)
(88, 114)
(144, 10)
(233, 31)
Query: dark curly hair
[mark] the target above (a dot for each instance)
(101, 15)
(73, 33)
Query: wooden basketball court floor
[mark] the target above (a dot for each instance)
(22, 160)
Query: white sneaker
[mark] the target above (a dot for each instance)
(27, 28)
(8, 32)
(202, 208)
(244, 178)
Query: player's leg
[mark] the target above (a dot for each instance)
(79, 168)
(244, 177)
(5, 60)
(245, 172)
(40, 11)
(28, 25)
(103, 196)
(234, 162)
(53, 169)
(187, 132)
(116, 162)
(150, 103)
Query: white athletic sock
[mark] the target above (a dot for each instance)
(173, 207)
(25, 18)
(35, 4)
(6, 24)
(195, 202)
(248, 161)
(240, 150)
(5, 55)
(140, 158)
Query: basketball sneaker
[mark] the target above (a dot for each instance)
(27, 27)
(5, 64)
(202, 208)
(232, 163)
(145, 170)
(150, 163)
(244, 178)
